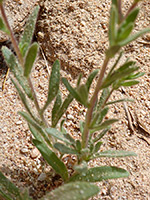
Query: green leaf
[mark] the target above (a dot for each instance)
(62, 109)
(68, 137)
(16, 69)
(104, 125)
(24, 100)
(83, 93)
(53, 83)
(97, 174)
(118, 101)
(56, 107)
(113, 153)
(78, 145)
(90, 78)
(113, 50)
(52, 159)
(82, 126)
(129, 19)
(97, 146)
(28, 31)
(35, 133)
(64, 149)
(135, 76)
(73, 191)
(103, 97)
(3, 27)
(7, 189)
(57, 134)
(125, 32)
(82, 168)
(113, 25)
(115, 64)
(30, 58)
(72, 91)
(128, 83)
(100, 135)
(79, 79)
(134, 37)
(36, 126)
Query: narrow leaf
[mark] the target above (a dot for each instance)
(114, 153)
(90, 78)
(57, 134)
(3, 27)
(129, 83)
(52, 159)
(83, 93)
(56, 106)
(118, 101)
(53, 83)
(36, 126)
(113, 25)
(30, 58)
(134, 37)
(64, 149)
(28, 31)
(104, 125)
(62, 109)
(125, 32)
(100, 173)
(78, 145)
(97, 146)
(7, 189)
(100, 135)
(73, 191)
(16, 69)
(71, 90)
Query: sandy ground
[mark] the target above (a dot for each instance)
(76, 33)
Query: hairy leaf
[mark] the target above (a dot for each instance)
(30, 58)
(73, 191)
(64, 149)
(97, 174)
(90, 78)
(3, 27)
(52, 159)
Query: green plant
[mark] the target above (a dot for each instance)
(54, 142)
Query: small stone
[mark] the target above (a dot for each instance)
(24, 150)
(42, 177)
(18, 122)
(34, 153)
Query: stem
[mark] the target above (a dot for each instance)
(12, 37)
(131, 8)
(85, 135)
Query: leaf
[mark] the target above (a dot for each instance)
(83, 93)
(125, 32)
(35, 133)
(56, 107)
(113, 153)
(26, 38)
(97, 146)
(68, 137)
(82, 126)
(118, 101)
(78, 145)
(72, 91)
(7, 189)
(133, 37)
(113, 25)
(52, 159)
(57, 134)
(79, 79)
(3, 27)
(90, 78)
(24, 100)
(62, 109)
(30, 58)
(129, 19)
(100, 135)
(13, 64)
(135, 76)
(73, 191)
(64, 149)
(36, 126)
(104, 125)
(103, 97)
(83, 167)
(53, 83)
(128, 83)
(97, 174)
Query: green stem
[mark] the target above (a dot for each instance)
(12, 37)
(85, 135)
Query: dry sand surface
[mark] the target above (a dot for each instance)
(75, 31)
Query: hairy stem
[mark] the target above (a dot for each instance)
(12, 37)
(85, 135)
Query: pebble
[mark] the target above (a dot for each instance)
(24, 150)
(18, 122)
(42, 177)
(34, 153)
